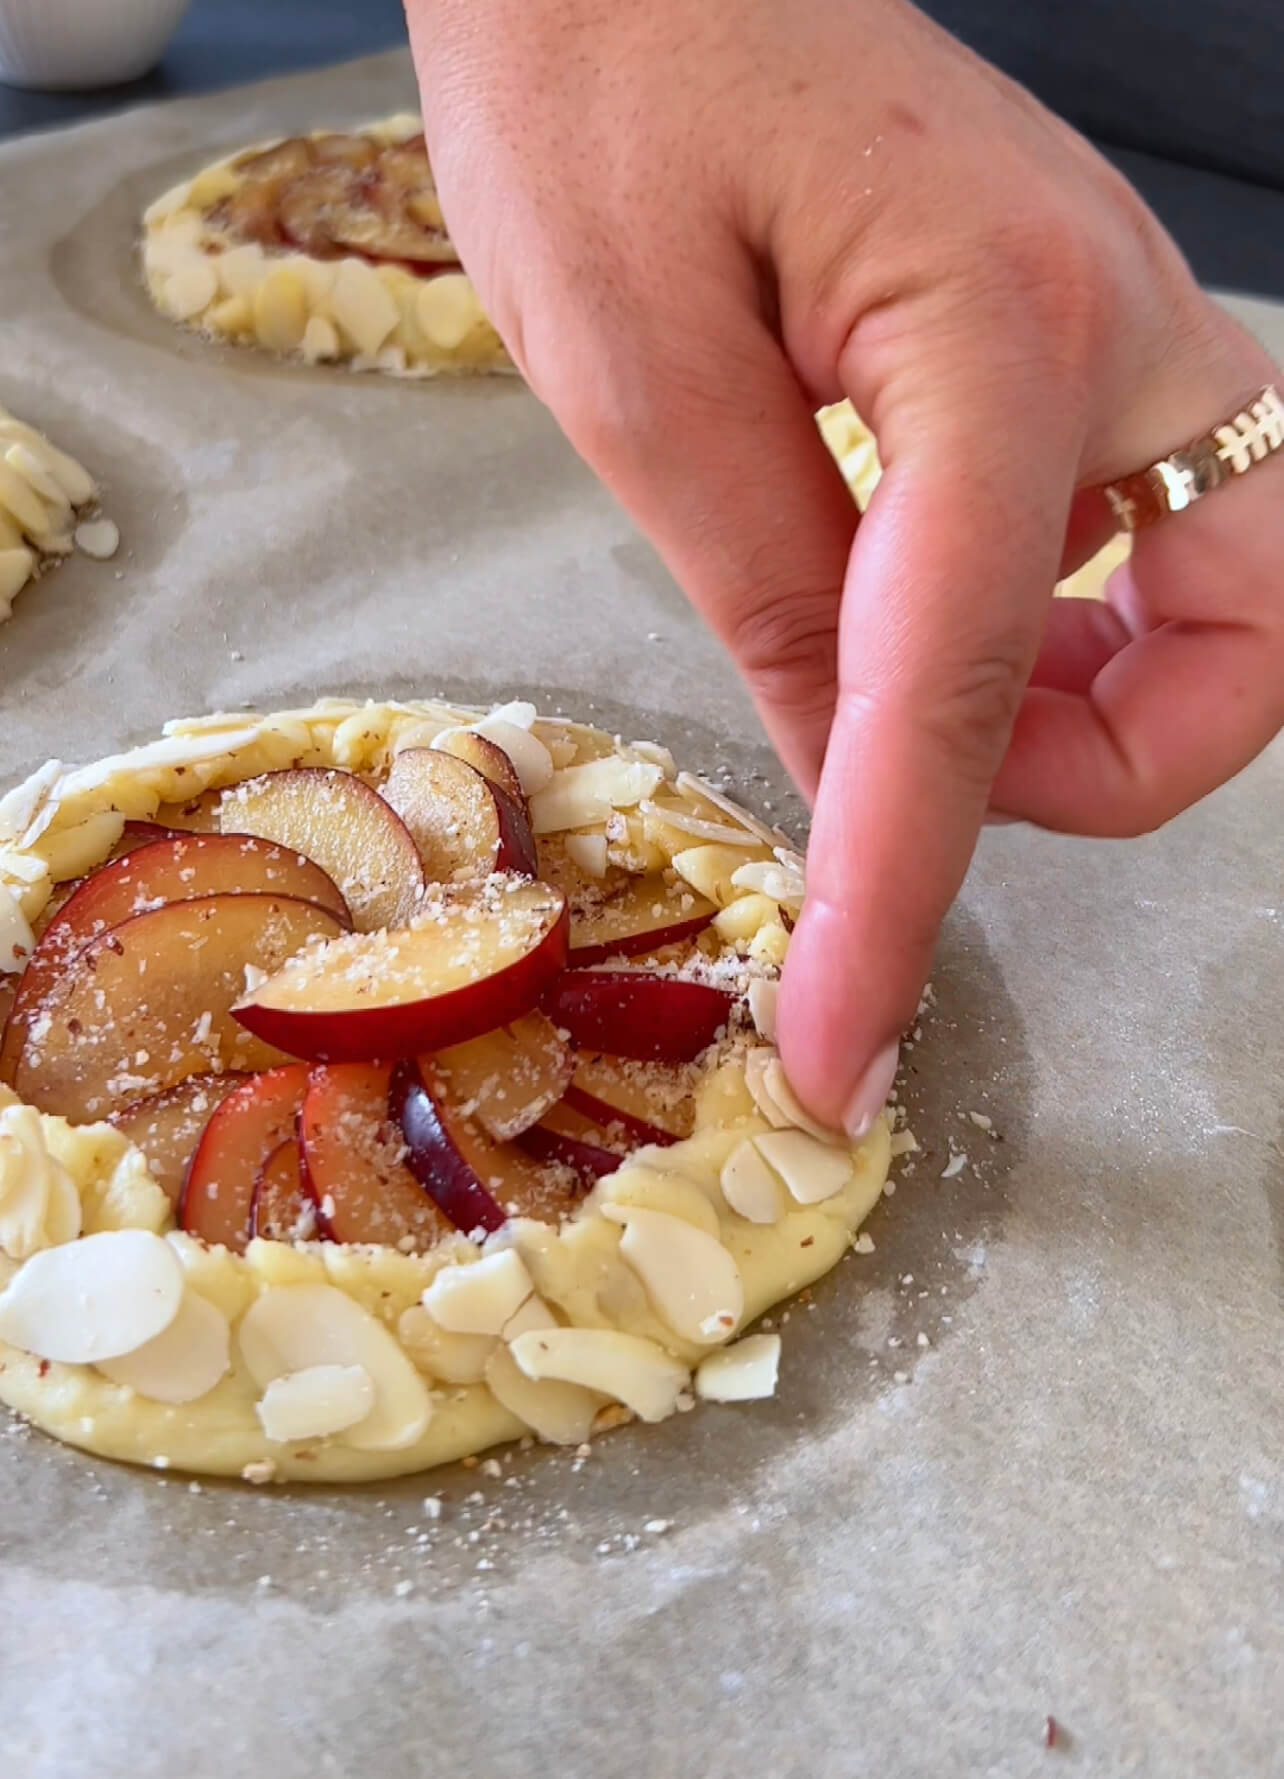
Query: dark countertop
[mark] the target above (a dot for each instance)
(1212, 173)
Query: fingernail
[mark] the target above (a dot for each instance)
(871, 1093)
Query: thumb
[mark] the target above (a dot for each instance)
(945, 597)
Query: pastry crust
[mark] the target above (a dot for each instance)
(301, 261)
(617, 1282)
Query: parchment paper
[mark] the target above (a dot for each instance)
(1068, 1501)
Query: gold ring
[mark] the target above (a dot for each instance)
(1178, 481)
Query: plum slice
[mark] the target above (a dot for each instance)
(167, 1126)
(348, 829)
(179, 868)
(643, 915)
(149, 1002)
(507, 1079)
(587, 1160)
(653, 1100)
(465, 824)
(252, 1123)
(485, 756)
(476, 1182)
(637, 1014)
(475, 959)
(282, 1208)
(354, 1161)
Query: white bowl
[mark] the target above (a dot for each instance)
(57, 45)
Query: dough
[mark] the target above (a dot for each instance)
(326, 248)
(43, 495)
(855, 450)
(557, 1327)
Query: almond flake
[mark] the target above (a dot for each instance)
(39, 1203)
(581, 796)
(691, 1279)
(764, 992)
(478, 1297)
(744, 1372)
(626, 1367)
(813, 1171)
(588, 851)
(782, 883)
(315, 1402)
(94, 1299)
(294, 1327)
(561, 1413)
(184, 1361)
(750, 1186)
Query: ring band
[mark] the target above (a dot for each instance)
(1178, 481)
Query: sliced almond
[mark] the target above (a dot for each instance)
(580, 796)
(692, 1281)
(776, 1084)
(744, 1372)
(94, 1299)
(454, 1358)
(697, 826)
(362, 306)
(184, 1361)
(316, 1402)
(533, 1314)
(39, 1203)
(764, 993)
(776, 1100)
(558, 1412)
(751, 1187)
(292, 1327)
(448, 309)
(783, 883)
(692, 782)
(98, 538)
(813, 1171)
(588, 851)
(480, 1296)
(626, 1367)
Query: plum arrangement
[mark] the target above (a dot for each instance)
(346, 1011)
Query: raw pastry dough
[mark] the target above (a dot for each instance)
(329, 1362)
(326, 248)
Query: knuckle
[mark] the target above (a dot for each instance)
(1053, 273)
(966, 714)
(784, 642)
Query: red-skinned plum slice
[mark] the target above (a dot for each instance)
(507, 1079)
(477, 1182)
(354, 1161)
(282, 1208)
(167, 1126)
(643, 914)
(464, 823)
(176, 868)
(486, 757)
(477, 958)
(149, 1002)
(250, 1126)
(339, 822)
(636, 1014)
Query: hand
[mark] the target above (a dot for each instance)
(694, 225)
